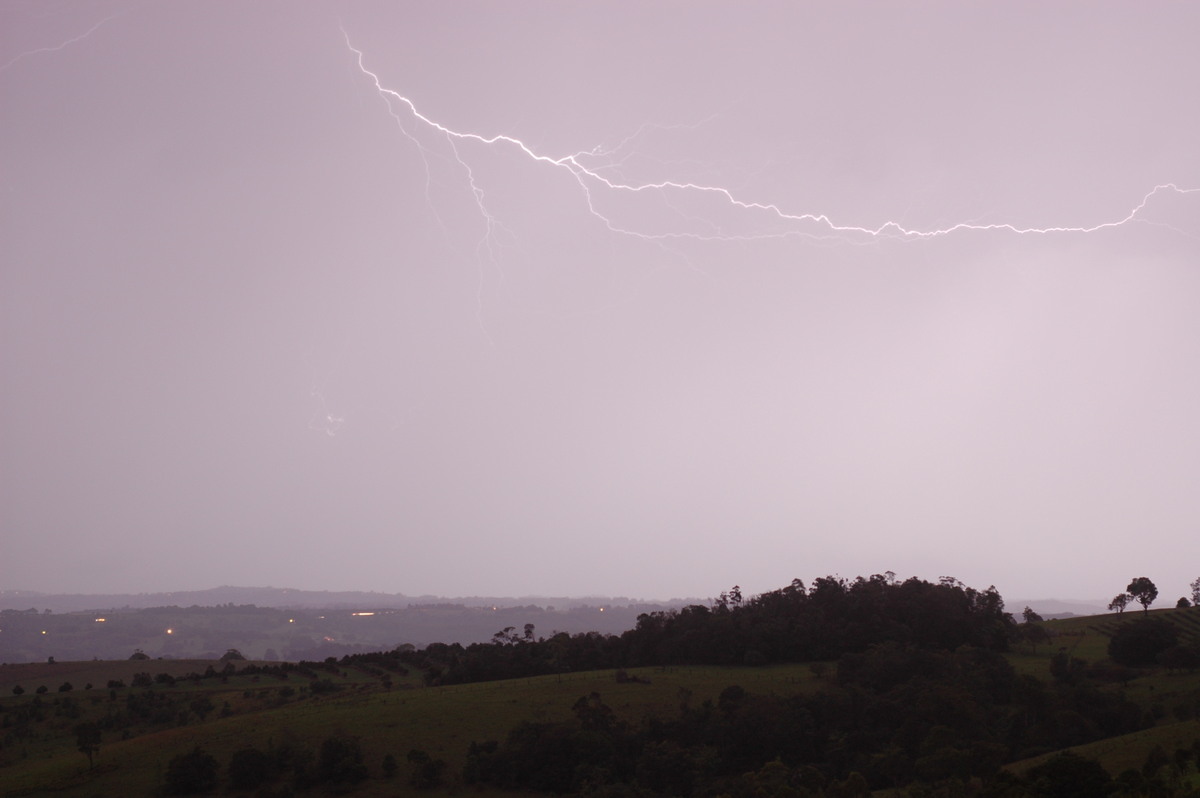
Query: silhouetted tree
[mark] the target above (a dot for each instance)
(249, 768)
(1143, 591)
(87, 740)
(1069, 775)
(1183, 603)
(1119, 603)
(341, 760)
(1034, 633)
(426, 771)
(1195, 586)
(1138, 644)
(1030, 616)
(191, 773)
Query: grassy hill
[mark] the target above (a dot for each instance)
(393, 713)
(438, 720)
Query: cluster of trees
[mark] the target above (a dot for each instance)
(793, 624)
(337, 764)
(897, 715)
(1144, 592)
(145, 705)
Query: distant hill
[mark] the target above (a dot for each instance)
(290, 598)
(1056, 608)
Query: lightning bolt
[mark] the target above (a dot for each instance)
(67, 43)
(322, 419)
(594, 180)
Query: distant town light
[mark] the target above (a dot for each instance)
(170, 631)
(43, 631)
(291, 620)
(101, 620)
(362, 613)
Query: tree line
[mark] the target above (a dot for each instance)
(796, 623)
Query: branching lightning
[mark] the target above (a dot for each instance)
(593, 179)
(67, 43)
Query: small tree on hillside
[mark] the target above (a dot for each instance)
(1143, 591)
(1030, 616)
(1195, 586)
(1119, 603)
(87, 739)
(1183, 603)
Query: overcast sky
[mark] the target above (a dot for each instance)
(263, 324)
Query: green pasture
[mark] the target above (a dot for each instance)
(439, 720)
(443, 720)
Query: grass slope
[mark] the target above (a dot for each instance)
(439, 720)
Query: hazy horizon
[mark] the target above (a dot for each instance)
(584, 299)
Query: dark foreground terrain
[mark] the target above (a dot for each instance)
(839, 689)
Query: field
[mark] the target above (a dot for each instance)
(392, 714)
(439, 720)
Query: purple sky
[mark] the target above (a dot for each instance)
(258, 326)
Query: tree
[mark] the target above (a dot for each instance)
(1138, 644)
(232, 654)
(1068, 775)
(87, 739)
(18, 689)
(249, 768)
(1183, 603)
(1035, 633)
(191, 773)
(1195, 586)
(426, 771)
(1119, 603)
(341, 760)
(1030, 616)
(1143, 591)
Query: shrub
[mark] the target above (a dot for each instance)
(249, 768)
(1138, 644)
(191, 773)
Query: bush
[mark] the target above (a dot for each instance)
(340, 761)
(191, 773)
(426, 771)
(1138, 644)
(1069, 775)
(249, 768)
